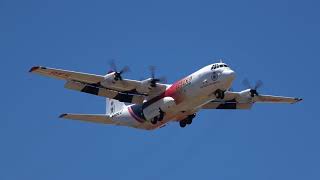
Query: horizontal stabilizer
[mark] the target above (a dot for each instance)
(94, 118)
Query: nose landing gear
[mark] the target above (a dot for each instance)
(219, 94)
(188, 121)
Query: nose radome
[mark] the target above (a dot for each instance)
(231, 75)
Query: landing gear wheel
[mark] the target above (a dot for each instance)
(219, 94)
(154, 121)
(161, 116)
(189, 121)
(183, 124)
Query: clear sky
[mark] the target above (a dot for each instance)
(276, 41)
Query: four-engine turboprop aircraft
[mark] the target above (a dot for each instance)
(150, 104)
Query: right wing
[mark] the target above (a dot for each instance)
(97, 90)
(125, 90)
(67, 75)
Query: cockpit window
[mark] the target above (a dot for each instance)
(216, 66)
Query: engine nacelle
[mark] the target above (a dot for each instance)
(145, 86)
(109, 81)
(245, 96)
(167, 104)
(109, 76)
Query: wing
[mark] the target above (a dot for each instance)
(97, 90)
(95, 118)
(241, 100)
(218, 104)
(67, 75)
(275, 99)
(125, 90)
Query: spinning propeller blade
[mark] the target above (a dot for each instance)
(253, 89)
(155, 80)
(118, 74)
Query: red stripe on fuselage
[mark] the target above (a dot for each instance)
(173, 92)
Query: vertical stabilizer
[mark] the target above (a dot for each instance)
(114, 106)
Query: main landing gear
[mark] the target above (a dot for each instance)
(187, 121)
(219, 94)
(159, 118)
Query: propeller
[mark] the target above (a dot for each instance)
(118, 74)
(154, 80)
(253, 89)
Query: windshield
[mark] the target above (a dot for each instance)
(216, 66)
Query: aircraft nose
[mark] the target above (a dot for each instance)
(229, 74)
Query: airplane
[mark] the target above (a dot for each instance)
(152, 104)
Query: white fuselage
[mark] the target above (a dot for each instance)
(181, 99)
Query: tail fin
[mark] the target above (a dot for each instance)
(114, 106)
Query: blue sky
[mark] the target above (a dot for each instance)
(275, 41)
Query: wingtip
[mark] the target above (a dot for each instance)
(298, 99)
(34, 68)
(63, 115)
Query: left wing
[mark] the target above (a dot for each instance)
(219, 104)
(275, 99)
(242, 100)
